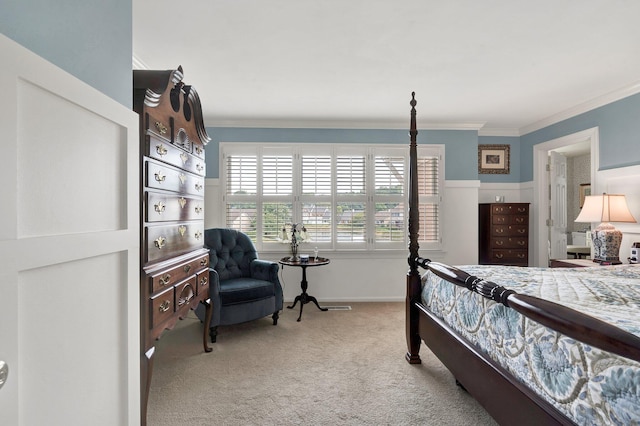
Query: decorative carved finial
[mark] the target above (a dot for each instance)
(413, 102)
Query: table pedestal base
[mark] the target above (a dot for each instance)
(305, 298)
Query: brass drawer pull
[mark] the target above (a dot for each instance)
(165, 280)
(159, 177)
(159, 207)
(198, 209)
(161, 150)
(204, 281)
(164, 306)
(203, 262)
(199, 149)
(161, 128)
(198, 186)
(199, 167)
(183, 178)
(182, 202)
(522, 243)
(499, 255)
(160, 242)
(182, 229)
(198, 235)
(499, 242)
(184, 157)
(186, 268)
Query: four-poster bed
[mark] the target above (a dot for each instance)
(543, 349)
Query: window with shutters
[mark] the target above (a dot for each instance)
(348, 196)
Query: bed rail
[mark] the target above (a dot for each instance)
(567, 321)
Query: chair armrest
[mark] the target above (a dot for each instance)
(264, 270)
(214, 283)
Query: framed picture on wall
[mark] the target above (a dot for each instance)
(493, 159)
(585, 189)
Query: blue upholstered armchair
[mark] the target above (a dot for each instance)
(242, 287)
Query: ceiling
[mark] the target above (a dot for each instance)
(501, 66)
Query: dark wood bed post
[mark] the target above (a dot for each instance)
(413, 277)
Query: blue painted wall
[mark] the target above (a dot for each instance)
(90, 39)
(460, 145)
(619, 124)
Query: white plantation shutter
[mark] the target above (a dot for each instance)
(277, 175)
(241, 186)
(389, 197)
(430, 179)
(242, 174)
(350, 174)
(351, 198)
(348, 196)
(315, 197)
(316, 175)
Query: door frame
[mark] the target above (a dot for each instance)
(541, 184)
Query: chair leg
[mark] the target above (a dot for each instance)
(275, 317)
(213, 333)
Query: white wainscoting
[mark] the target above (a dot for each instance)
(70, 249)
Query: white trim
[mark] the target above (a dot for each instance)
(498, 132)
(336, 124)
(582, 108)
(462, 184)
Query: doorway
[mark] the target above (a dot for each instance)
(575, 144)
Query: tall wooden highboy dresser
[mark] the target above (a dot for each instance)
(503, 234)
(174, 262)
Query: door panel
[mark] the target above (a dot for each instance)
(69, 244)
(558, 206)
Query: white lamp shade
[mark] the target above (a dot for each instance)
(605, 208)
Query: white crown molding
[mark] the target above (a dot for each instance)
(582, 108)
(138, 64)
(337, 124)
(498, 132)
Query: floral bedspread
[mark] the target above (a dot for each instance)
(590, 386)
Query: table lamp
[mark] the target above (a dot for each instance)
(606, 238)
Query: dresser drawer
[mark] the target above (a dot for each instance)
(510, 242)
(160, 176)
(509, 230)
(165, 241)
(522, 209)
(503, 219)
(161, 207)
(170, 276)
(507, 256)
(164, 151)
(162, 307)
(203, 283)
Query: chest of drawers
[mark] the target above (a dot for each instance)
(503, 234)
(174, 274)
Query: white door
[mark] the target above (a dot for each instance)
(69, 247)
(557, 206)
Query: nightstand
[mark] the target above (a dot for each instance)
(572, 263)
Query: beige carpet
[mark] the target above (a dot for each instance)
(335, 367)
